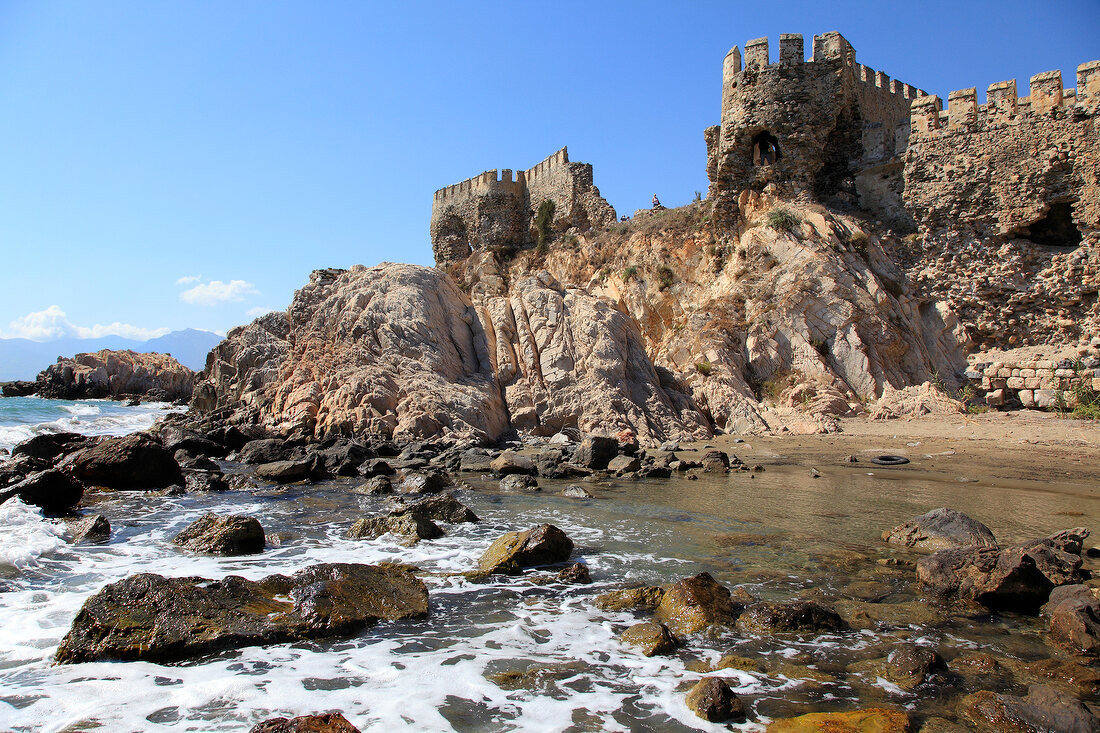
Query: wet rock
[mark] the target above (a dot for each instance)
(510, 462)
(195, 463)
(536, 677)
(940, 529)
(324, 723)
(866, 615)
(196, 445)
(375, 467)
(204, 481)
(55, 492)
(542, 545)
(1043, 709)
(1015, 578)
(577, 574)
(411, 527)
(131, 462)
(1066, 674)
(286, 472)
(52, 445)
(651, 638)
(646, 598)
(870, 720)
(377, 485)
(692, 604)
(430, 481)
(157, 619)
(907, 667)
(265, 450)
(476, 460)
(576, 492)
(519, 482)
(441, 507)
(735, 661)
(92, 528)
(715, 461)
(712, 699)
(1073, 615)
(342, 458)
(235, 534)
(787, 617)
(623, 464)
(595, 452)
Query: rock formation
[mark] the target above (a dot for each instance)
(109, 373)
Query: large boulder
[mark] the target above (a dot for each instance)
(692, 604)
(285, 472)
(265, 450)
(440, 507)
(1073, 615)
(650, 638)
(1043, 709)
(410, 527)
(55, 492)
(510, 553)
(941, 529)
(152, 618)
(1015, 578)
(712, 699)
(510, 462)
(52, 445)
(236, 534)
(789, 617)
(595, 451)
(131, 462)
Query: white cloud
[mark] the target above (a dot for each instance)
(258, 311)
(216, 291)
(188, 279)
(52, 324)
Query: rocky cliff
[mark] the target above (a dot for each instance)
(109, 373)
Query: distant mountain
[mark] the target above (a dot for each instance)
(24, 359)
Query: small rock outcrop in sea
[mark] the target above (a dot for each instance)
(1016, 578)
(440, 507)
(940, 529)
(692, 604)
(92, 528)
(410, 527)
(55, 492)
(651, 638)
(323, 723)
(109, 373)
(510, 553)
(789, 617)
(712, 699)
(157, 619)
(236, 534)
(132, 462)
(1044, 708)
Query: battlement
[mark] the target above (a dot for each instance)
(502, 181)
(1003, 105)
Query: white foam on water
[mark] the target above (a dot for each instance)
(25, 535)
(24, 417)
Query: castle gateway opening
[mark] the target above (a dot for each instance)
(765, 149)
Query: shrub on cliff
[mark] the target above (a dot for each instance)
(783, 220)
(543, 218)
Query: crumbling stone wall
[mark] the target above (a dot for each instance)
(1005, 166)
(494, 209)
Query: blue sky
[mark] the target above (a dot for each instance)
(167, 164)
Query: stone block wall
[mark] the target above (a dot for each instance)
(1042, 383)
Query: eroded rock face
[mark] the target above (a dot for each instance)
(109, 373)
(1073, 614)
(940, 529)
(510, 553)
(153, 618)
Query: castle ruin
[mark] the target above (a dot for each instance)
(492, 209)
(850, 135)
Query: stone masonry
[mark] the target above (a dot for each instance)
(1045, 383)
(493, 209)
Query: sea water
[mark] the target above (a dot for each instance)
(777, 535)
(25, 417)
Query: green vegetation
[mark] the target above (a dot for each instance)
(965, 394)
(543, 218)
(858, 241)
(704, 367)
(783, 220)
(629, 273)
(665, 277)
(698, 197)
(1086, 399)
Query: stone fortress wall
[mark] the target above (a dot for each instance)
(498, 208)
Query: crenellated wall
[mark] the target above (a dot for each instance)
(494, 209)
(1003, 165)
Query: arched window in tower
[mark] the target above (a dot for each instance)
(765, 149)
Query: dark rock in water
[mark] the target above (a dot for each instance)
(1014, 578)
(18, 388)
(51, 445)
(324, 723)
(285, 472)
(1073, 615)
(376, 486)
(341, 457)
(651, 638)
(476, 460)
(798, 617)
(907, 666)
(152, 618)
(196, 482)
(510, 462)
(510, 553)
(176, 438)
(692, 604)
(940, 529)
(131, 462)
(576, 492)
(195, 463)
(1043, 709)
(55, 492)
(715, 461)
(411, 527)
(623, 464)
(375, 467)
(441, 507)
(595, 452)
(92, 528)
(18, 468)
(1069, 540)
(577, 573)
(236, 534)
(712, 699)
(646, 598)
(265, 450)
(519, 482)
(429, 481)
